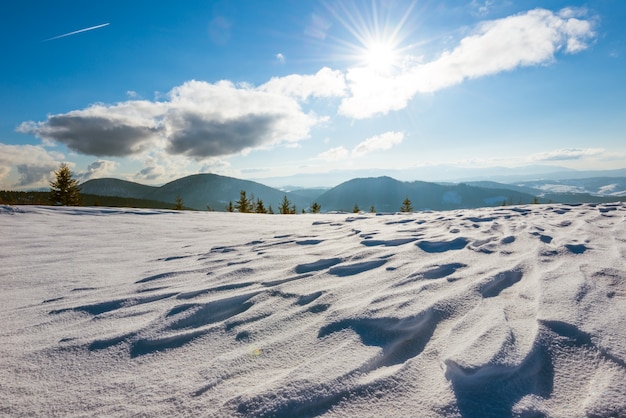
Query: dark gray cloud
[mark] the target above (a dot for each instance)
(95, 135)
(30, 174)
(150, 173)
(98, 169)
(197, 137)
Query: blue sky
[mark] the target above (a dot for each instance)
(153, 91)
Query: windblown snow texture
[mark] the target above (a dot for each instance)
(509, 311)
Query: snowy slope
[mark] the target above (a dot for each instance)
(476, 313)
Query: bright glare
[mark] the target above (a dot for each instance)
(380, 56)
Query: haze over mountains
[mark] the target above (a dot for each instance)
(443, 173)
(384, 194)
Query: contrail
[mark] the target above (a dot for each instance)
(78, 31)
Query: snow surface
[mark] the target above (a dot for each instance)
(508, 311)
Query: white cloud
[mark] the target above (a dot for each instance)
(324, 83)
(380, 142)
(33, 164)
(334, 154)
(527, 39)
(280, 57)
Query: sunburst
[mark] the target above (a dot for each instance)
(378, 36)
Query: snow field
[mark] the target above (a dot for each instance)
(504, 311)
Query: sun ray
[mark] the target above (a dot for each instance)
(378, 36)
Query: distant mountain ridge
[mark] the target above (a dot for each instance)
(116, 187)
(385, 194)
(198, 191)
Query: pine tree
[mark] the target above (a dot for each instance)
(356, 209)
(270, 210)
(64, 189)
(406, 205)
(315, 207)
(179, 203)
(372, 209)
(230, 207)
(260, 208)
(285, 206)
(243, 205)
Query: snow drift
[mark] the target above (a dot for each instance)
(509, 311)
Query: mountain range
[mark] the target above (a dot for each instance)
(383, 194)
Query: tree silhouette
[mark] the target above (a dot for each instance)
(179, 203)
(64, 189)
(372, 209)
(315, 207)
(243, 205)
(260, 208)
(406, 205)
(285, 207)
(356, 209)
(230, 207)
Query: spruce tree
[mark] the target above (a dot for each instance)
(406, 205)
(356, 209)
(230, 207)
(243, 205)
(285, 207)
(64, 189)
(372, 209)
(260, 208)
(179, 203)
(315, 207)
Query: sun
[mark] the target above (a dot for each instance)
(380, 56)
(378, 33)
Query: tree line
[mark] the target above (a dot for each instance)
(248, 204)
